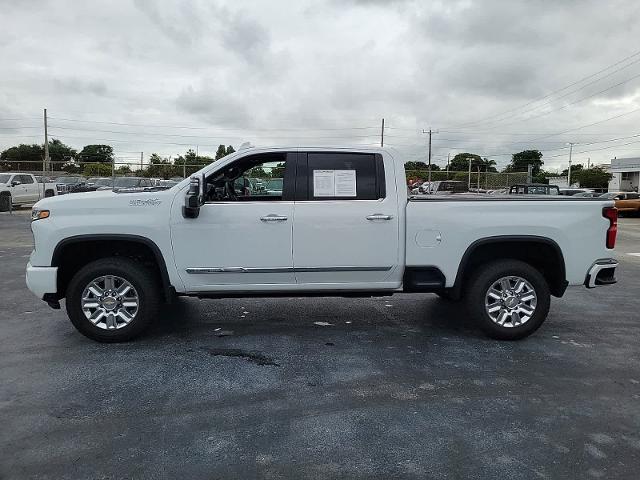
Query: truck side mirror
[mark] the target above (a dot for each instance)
(15, 183)
(194, 198)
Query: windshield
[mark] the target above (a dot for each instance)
(104, 182)
(4, 178)
(126, 182)
(67, 180)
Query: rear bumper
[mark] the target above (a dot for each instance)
(602, 272)
(42, 280)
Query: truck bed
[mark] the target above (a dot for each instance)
(440, 228)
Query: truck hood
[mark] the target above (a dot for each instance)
(107, 199)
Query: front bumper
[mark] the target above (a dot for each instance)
(42, 280)
(602, 272)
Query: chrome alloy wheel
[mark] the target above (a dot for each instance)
(110, 302)
(510, 301)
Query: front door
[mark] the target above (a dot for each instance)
(242, 239)
(346, 227)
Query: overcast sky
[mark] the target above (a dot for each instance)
(324, 72)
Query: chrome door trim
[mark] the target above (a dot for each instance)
(209, 270)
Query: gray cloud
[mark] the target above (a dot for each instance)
(307, 66)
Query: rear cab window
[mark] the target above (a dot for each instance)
(340, 176)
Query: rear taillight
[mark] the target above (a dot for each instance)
(612, 214)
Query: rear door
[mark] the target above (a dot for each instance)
(346, 227)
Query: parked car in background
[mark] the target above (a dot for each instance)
(573, 191)
(131, 183)
(22, 188)
(43, 179)
(587, 195)
(95, 183)
(534, 189)
(626, 202)
(441, 187)
(273, 186)
(166, 183)
(70, 184)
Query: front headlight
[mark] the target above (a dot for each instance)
(37, 214)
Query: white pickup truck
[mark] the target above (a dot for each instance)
(24, 188)
(338, 222)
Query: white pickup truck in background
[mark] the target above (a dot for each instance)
(336, 222)
(23, 188)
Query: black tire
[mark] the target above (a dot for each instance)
(48, 193)
(5, 202)
(142, 279)
(478, 286)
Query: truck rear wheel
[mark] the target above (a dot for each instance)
(508, 299)
(112, 299)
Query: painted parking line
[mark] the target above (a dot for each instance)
(634, 254)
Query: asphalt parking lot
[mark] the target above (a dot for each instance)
(396, 387)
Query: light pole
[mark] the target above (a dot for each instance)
(571, 144)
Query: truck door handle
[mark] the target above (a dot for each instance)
(379, 216)
(273, 218)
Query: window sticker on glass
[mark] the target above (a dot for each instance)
(334, 183)
(345, 181)
(323, 183)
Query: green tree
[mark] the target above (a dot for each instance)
(460, 163)
(123, 170)
(190, 162)
(230, 150)
(221, 152)
(17, 157)
(61, 155)
(96, 153)
(415, 166)
(594, 177)
(487, 165)
(574, 169)
(520, 162)
(160, 167)
(97, 170)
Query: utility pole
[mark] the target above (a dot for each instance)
(430, 132)
(469, 185)
(47, 161)
(588, 163)
(382, 134)
(571, 144)
(448, 158)
(141, 161)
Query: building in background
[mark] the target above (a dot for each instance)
(626, 174)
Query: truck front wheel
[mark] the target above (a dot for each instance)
(112, 299)
(509, 299)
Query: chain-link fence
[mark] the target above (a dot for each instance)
(162, 170)
(474, 181)
(166, 170)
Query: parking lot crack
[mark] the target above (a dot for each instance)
(253, 357)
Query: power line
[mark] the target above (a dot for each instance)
(204, 136)
(190, 127)
(574, 102)
(635, 54)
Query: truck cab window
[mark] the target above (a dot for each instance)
(253, 178)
